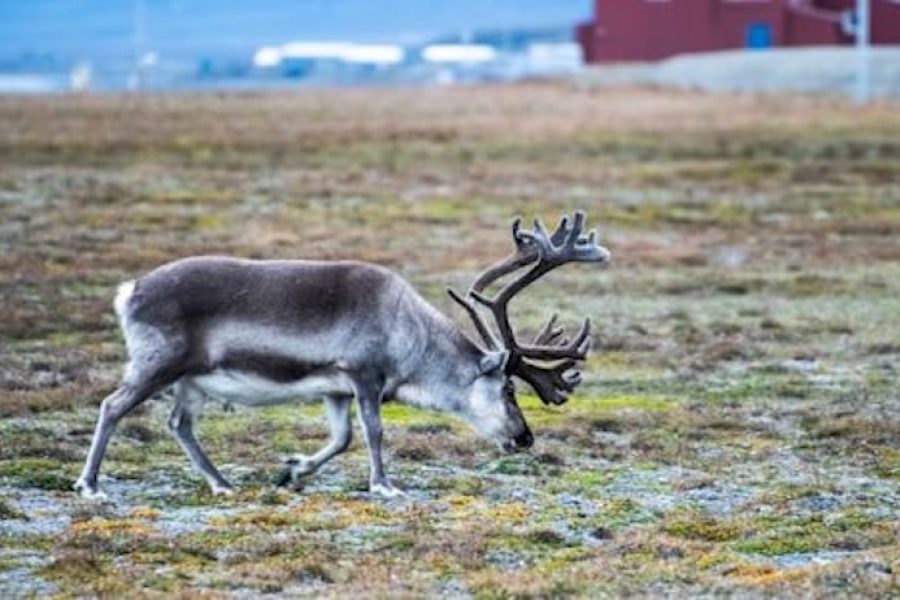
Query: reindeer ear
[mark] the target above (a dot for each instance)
(493, 361)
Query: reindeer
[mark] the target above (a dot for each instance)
(267, 332)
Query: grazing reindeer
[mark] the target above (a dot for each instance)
(266, 332)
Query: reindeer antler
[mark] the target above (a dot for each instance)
(553, 375)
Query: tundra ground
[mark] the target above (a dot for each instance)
(738, 431)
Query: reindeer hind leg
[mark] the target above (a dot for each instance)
(123, 400)
(188, 400)
(152, 367)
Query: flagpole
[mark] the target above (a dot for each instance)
(863, 63)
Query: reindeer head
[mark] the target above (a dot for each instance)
(548, 363)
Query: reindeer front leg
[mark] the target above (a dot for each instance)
(338, 410)
(368, 398)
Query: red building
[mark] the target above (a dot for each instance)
(645, 30)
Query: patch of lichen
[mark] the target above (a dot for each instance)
(514, 512)
(100, 528)
(312, 513)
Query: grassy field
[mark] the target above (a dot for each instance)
(739, 426)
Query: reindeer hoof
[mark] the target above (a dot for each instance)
(294, 468)
(284, 477)
(300, 465)
(90, 493)
(386, 490)
(224, 491)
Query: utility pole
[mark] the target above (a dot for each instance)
(863, 61)
(137, 15)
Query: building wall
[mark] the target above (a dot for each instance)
(646, 30)
(886, 22)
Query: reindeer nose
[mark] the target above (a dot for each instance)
(524, 439)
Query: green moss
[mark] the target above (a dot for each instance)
(310, 572)
(545, 538)
(8, 511)
(445, 210)
(466, 485)
(812, 285)
(395, 413)
(203, 547)
(564, 557)
(208, 222)
(851, 520)
(778, 545)
(583, 480)
(522, 464)
(42, 543)
(583, 404)
(781, 495)
(722, 213)
(694, 525)
(167, 584)
(887, 464)
(579, 408)
(36, 473)
(66, 339)
(275, 497)
(128, 458)
(396, 542)
(505, 585)
(83, 572)
(620, 506)
(786, 535)
(619, 512)
(793, 387)
(759, 385)
(429, 428)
